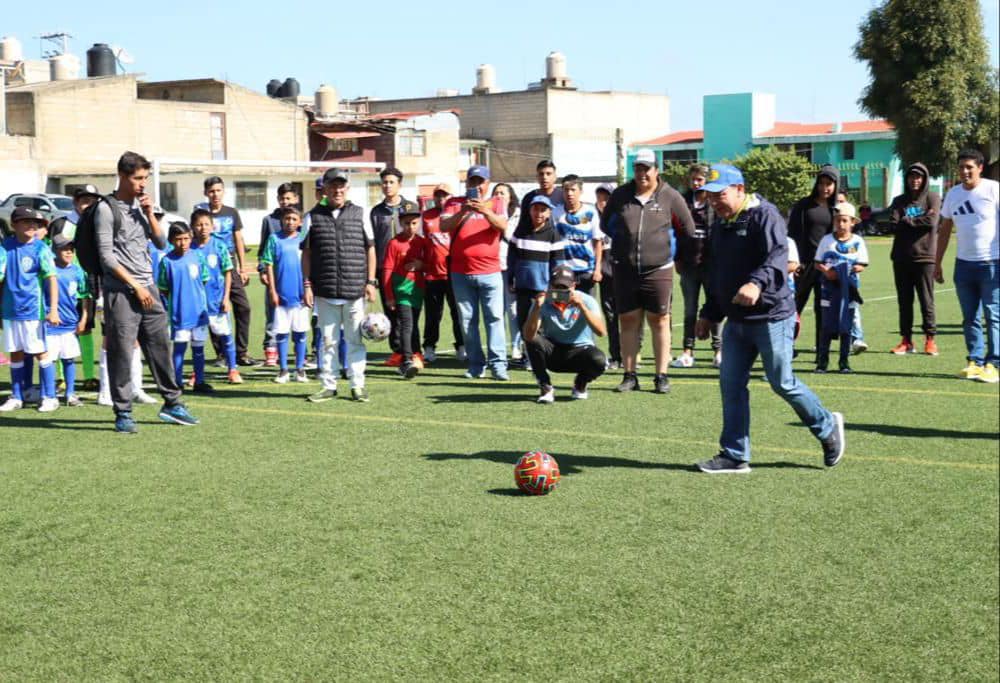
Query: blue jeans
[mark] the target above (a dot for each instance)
(977, 283)
(471, 293)
(741, 343)
(510, 309)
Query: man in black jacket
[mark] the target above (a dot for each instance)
(384, 218)
(748, 287)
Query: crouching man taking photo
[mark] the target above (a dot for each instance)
(559, 335)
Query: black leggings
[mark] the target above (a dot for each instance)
(587, 362)
(917, 277)
(409, 330)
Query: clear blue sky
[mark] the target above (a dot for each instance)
(800, 51)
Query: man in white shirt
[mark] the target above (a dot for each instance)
(973, 208)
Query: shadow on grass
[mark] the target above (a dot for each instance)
(576, 464)
(57, 423)
(920, 432)
(874, 373)
(487, 397)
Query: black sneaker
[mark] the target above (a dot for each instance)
(834, 445)
(247, 362)
(723, 464)
(661, 384)
(845, 369)
(630, 382)
(408, 370)
(820, 370)
(203, 388)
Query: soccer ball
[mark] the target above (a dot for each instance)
(536, 473)
(375, 327)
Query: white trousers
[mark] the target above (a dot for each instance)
(331, 314)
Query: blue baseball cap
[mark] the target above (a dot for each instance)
(541, 199)
(721, 176)
(478, 172)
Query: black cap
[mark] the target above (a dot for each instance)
(26, 213)
(409, 209)
(562, 277)
(60, 241)
(333, 174)
(86, 190)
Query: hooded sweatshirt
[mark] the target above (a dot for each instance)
(915, 217)
(810, 218)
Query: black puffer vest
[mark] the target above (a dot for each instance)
(338, 256)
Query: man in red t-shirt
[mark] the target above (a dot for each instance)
(476, 224)
(438, 283)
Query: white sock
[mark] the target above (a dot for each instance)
(136, 370)
(105, 388)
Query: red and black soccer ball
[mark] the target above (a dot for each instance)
(536, 473)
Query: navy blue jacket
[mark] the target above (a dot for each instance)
(752, 248)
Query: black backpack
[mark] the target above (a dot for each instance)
(86, 235)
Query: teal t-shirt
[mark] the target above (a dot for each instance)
(568, 326)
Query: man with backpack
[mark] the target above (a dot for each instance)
(111, 240)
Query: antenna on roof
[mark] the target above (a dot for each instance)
(122, 56)
(59, 44)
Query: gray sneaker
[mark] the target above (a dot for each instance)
(323, 395)
(834, 445)
(630, 382)
(661, 384)
(723, 464)
(360, 394)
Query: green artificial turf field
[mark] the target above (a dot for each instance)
(345, 541)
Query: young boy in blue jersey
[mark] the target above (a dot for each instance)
(218, 286)
(182, 277)
(29, 262)
(535, 249)
(580, 228)
(282, 259)
(840, 257)
(61, 341)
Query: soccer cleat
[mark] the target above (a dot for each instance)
(301, 377)
(142, 397)
(281, 378)
(177, 414)
(235, 377)
(460, 355)
(125, 424)
(685, 360)
(270, 357)
(246, 362)
(971, 371)
(835, 443)
(430, 354)
(904, 347)
(546, 394)
(723, 464)
(203, 388)
(472, 374)
(323, 395)
(73, 401)
(418, 361)
(661, 384)
(48, 405)
(394, 360)
(989, 374)
(10, 405)
(359, 394)
(630, 382)
(859, 346)
(930, 347)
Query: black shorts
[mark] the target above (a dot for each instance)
(651, 291)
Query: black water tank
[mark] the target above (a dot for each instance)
(273, 87)
(290, 88)
(101, 61)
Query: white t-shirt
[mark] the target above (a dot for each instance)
(975, 213)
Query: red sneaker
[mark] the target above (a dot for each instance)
(903, 347)
(418, 361)
(394, 361)
(270, 358)
(930, 347)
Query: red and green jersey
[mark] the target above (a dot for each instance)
(401, 282)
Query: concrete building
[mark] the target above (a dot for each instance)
(863, 151)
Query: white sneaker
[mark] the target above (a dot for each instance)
(580, 395)
(546, 394)
(430, 354)
(859, 346)
(684, 360)
(10, 405)
(460, 355)
(515, 353)
(301, 376)
(142, 397)
(48, 405)
(281, 377)
(717, 361)
(104, 400)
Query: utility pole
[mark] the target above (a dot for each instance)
(619, 156)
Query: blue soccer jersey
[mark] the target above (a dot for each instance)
(27, 265)
(579, 230)
(283, 253)
(853, 251)
(218, 262)
(182, 278)
(156, 254)
(72, 287)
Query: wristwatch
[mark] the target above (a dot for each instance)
(373, 283)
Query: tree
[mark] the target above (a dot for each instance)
(931, 78)
(780, 176)
(675, 173)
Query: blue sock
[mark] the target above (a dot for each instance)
(198, 359)
(180, 348)
(28, 376)
(230, 345)
(47, 376)
(318, 346)
(342, 350)
(282, 351)
(17, 380)
(300, 349)
(69, 372)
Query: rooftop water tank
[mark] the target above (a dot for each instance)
(64, 67)
(486, 79)
(101, 61)
(290, 88)
(273, 86)
(10, 49)
(326, 102)
(555, 66)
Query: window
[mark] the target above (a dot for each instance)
(412, 143)
(217, 123)
(168, 196)
(342, 145)
(251, 195)
(683, 156)
(848, 150)
(804, 150)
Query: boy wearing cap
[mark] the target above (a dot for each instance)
(840, 258)
(748, 288)
(534, 252)
(559, 335)
(28, 263)
(282, 260)
(403, 284)
(61, 343)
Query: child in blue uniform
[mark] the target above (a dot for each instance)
(61, 341)
(28, 262)
(282, 257)
(220, 282)
(182, 277)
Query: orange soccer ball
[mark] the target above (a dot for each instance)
(536, 473)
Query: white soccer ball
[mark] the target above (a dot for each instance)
(375, 327)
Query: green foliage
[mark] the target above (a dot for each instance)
(675, 174)
(930, 77)
(782, 177)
